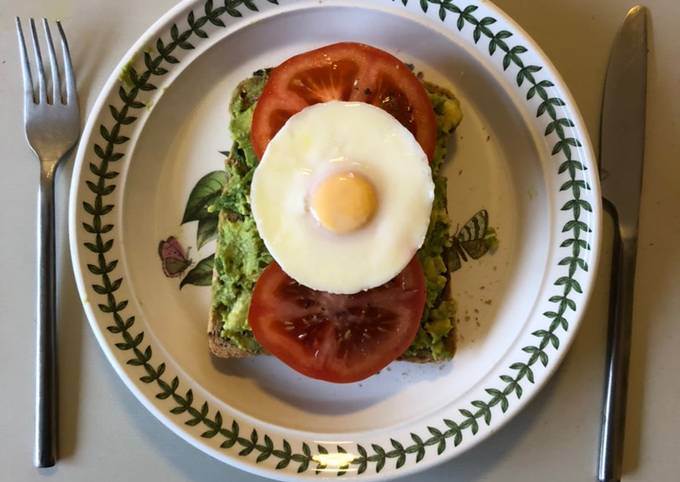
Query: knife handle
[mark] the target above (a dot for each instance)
(618, 354)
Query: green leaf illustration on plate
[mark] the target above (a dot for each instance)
(201, 274)
(205, 192)
(207, 230)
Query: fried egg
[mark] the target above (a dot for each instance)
(342, 197)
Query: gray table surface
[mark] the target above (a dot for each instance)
(107, 435)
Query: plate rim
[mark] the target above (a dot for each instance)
(245, 463)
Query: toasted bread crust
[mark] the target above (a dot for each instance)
(220, 347)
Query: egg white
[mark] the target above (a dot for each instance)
(336, 137)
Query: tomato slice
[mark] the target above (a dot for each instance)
(337, 338)
(344, 71)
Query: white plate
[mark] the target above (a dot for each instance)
(521, 152)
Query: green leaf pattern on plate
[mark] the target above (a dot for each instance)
(201, 274)
(203, 195)
(260, 446)
(207, 230)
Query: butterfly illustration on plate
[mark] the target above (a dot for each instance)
(473, 240)
(174, 258)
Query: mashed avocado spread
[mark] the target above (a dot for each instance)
(241, 254)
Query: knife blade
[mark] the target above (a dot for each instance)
(622, 129)
(622, 136)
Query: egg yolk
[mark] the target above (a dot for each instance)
(344, 202)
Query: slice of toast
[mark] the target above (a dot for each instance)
(224, 348)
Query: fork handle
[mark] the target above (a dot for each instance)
(46, 370)
(618, 357)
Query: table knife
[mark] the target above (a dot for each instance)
(622, 137)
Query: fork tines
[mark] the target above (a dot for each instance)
(56, 97)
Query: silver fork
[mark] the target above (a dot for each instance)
(52, 124)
